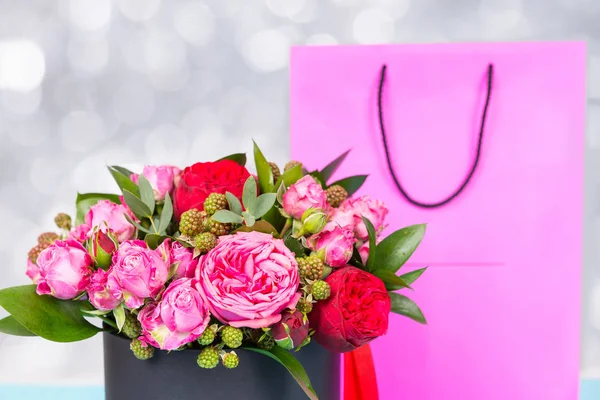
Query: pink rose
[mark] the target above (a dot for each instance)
(336, 243)
(33, 272)
(302, 195)
(64, 269)
(137, 273)
(161, 178)
(98, 293)
(185, 257)
(341, 218)
(372, 209)
(179, 318)
(80, 233)
(248, 279)
(107, 215)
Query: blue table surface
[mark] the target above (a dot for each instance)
(590, 390)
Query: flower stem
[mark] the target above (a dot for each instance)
(286, 227)
(108, 321)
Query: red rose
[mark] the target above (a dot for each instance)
(201, 179)
(355, 313)
(291, 331)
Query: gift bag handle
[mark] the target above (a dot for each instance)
(464, 184)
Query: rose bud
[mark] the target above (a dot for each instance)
(106, 215)
(64, 270)
(314, 220)
(101, 247)
(334, 245)
(291, 331)
(355, 313)
(302, 195)
(161, 178)
(198, 181)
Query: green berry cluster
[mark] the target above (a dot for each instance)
(141, 350)
(132, 327)
(310, 267)
(192, 222)
(205, 242)
(215, 202)
(232, 337)
(208, 358)
(336, 195)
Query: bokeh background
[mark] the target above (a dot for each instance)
(88, 83)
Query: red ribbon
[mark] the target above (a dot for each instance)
(360, 380)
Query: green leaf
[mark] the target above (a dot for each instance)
(166, 215)
(248, 218)
(119, 314)
(234, 203)
(356, 260)
(262, 204)
(227, 217)
(263, 170)
(330, 169)
(396, 249)
(136, 205)
(11, 326)
(86, 200)
(391, 280)
(294, 245)
(290, 176)
(147, 193)
(275, 218)
(122, 170)
(48, 317)
(372, 244)
(404, 306)
(412, 276)
(294, 367)
(132, 222)
(239, 158)
(260, 226)
(352, 183)
(249, 192)
(124, 181)
(154, 240)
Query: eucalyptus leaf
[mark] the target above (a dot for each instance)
(227, 217)
(234, 203)
(330, 169)
(46, 316)
(239, 158)
(248, 218)
(85, 201)
(146, 193)
(293, 366)
(262, 204)
(391, 280)
(372, 244)
(124, 181)
(136, 205)
(411, 277)
(132, 222)
(352, 183)
(404, 306)
(396, 249)
(260, 226)
(119, 314)
(166, 215)
(263, 170)
(11, 326)
(250, 192)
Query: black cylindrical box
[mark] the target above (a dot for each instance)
(176, 376)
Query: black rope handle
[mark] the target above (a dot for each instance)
(477, 156)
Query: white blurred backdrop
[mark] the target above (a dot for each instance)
(87, 83)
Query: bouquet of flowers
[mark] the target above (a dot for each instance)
(216, 258)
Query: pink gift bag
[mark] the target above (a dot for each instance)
(502, 294)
